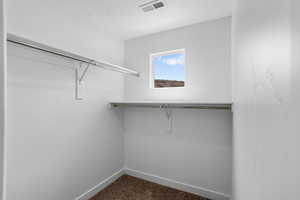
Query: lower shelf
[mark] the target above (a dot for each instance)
(191, 105)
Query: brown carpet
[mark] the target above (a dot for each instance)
(130, 188)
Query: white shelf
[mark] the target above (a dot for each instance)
(174, 104)
(58, 52)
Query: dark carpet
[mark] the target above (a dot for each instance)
(131, 188)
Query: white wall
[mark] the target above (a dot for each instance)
(198, 152)
(292, 170)
(207, 62)
(65, 24)
(2, 93)
(59, 148)
(266, 98)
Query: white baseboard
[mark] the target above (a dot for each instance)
(155, 179)
(178, 185)
(93, 191)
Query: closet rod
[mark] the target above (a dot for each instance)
(45, 48)
(186, 105)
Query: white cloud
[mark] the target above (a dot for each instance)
(174, 61)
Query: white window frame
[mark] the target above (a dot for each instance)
(165, 53)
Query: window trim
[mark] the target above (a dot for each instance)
(165, 53)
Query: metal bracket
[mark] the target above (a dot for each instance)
(79, 77)
(169, 116)
(84, 73)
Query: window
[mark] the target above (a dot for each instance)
(167, 69)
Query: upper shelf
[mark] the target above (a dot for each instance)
(173, 104)
(58, 52)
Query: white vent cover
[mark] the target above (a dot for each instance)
(151, 5)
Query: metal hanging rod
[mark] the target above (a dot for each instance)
(48, 49)
(186, 105)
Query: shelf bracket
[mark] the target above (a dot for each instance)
(169, 115)
(79, 77)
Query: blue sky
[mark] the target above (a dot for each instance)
(169, 67)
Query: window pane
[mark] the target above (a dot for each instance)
(168, 70)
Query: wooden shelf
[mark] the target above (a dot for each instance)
(173, 104)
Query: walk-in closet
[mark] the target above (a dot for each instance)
(149, 99)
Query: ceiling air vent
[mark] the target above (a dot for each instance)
(147, 6)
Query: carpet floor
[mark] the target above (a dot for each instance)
(131, 188)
